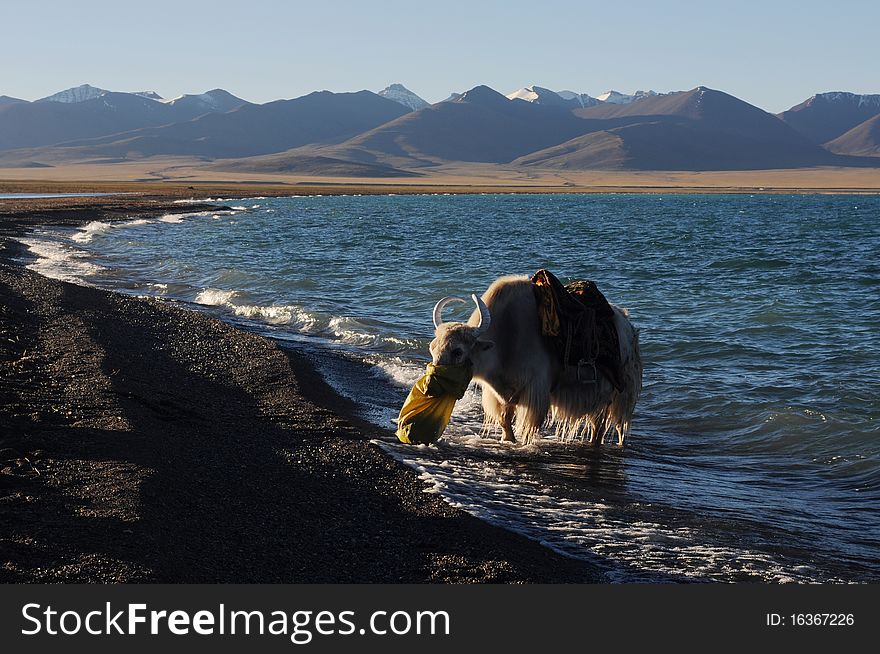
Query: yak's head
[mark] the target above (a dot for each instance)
(458, 343)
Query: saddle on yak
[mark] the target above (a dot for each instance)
(579, 322)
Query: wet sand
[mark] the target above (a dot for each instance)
(142, 441)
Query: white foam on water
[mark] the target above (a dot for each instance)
(58, 260)
(345, 329)
(175, 218)
(488, 480)
(354, 333)
(87, 233)
(95, 228)
(290, 315)
(334, 330)
(214, 297)
(398, 371)
(201, 200)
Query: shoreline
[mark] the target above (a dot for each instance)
(710, 183)
(146, 442)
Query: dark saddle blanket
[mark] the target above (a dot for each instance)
(579, 322)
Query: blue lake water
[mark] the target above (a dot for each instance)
(755, 451)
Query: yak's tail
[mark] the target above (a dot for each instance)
(590, 411)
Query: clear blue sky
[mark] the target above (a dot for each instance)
(768, 52)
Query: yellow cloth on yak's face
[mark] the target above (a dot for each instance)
(429, 405)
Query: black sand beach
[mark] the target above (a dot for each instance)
(145, 442)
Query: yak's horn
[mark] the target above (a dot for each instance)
(485, 315)
(438, 309)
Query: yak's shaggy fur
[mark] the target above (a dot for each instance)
(521, 375)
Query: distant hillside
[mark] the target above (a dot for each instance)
(599, 150)
(31, 124)
(863, 140)
(320, 117)
(396, 133)
(826, 116)
(480, 126)
(701, 129)
(87, 112)
(298, 162)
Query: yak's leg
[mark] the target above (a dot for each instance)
(507, 413)
(500, 408)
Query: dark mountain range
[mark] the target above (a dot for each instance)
(49, 122)
(701, 129)
(480, 126)
(826, 116)
(363, 134)
(863, 140)
(319, 117)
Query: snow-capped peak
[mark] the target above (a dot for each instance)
(616, 97)
(583, 99)
(202, 98)
(541, 95)
(152, 95)
(402, 95)
(76, 94)
(210, 101)
(852, 98)
(527, 93)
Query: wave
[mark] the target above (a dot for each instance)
(289, 315)
(96, 227)
(85, 234)
(214, 297)
(57, 260)
(201, 200)
(346, 331)
(175, 218)
(631, 543)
